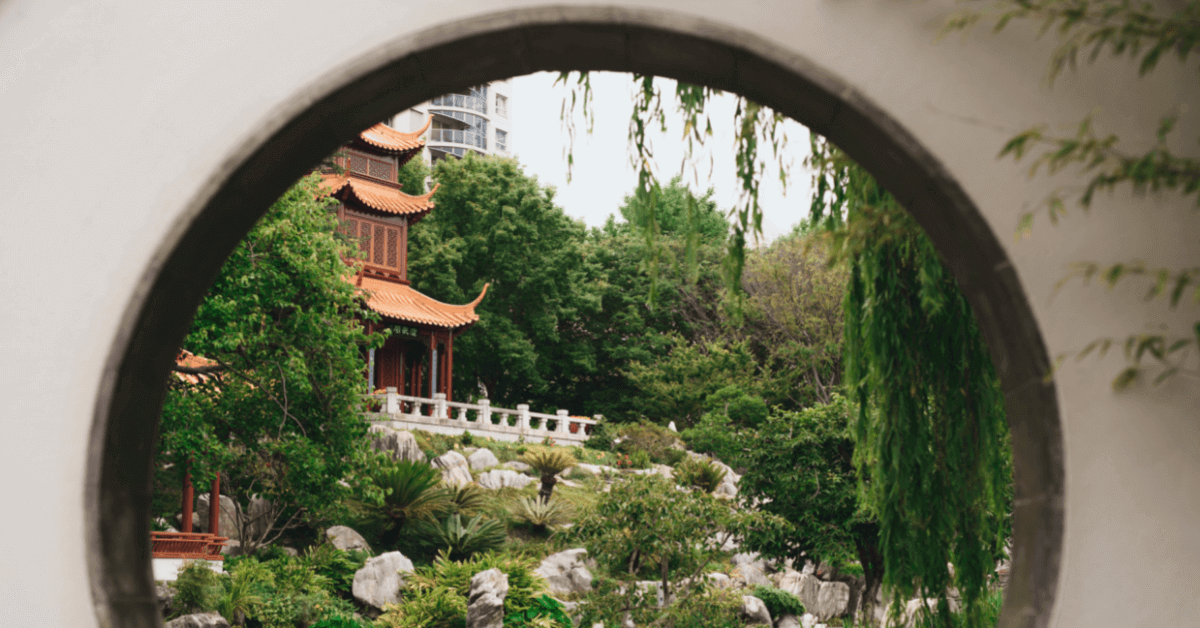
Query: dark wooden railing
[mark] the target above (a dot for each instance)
(192, 545)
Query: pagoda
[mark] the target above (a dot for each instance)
(418, 357)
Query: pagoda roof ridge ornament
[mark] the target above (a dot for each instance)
(384, 137)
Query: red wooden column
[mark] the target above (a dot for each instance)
(187, 499)
(214, 506)
(449, 364)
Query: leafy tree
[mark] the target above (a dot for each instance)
(930, 427)
(494, 224)
(646, 522)
(277, 414)
(800, 466)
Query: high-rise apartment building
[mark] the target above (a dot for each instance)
(475, 119)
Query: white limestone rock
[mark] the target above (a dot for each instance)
(789, 621)
(517, 465)
(228, 517)
(400, 444)
(482, 459)
(503, 478)
(198, 620)
(755, 611)
(720, 580)
(378, 582)
(671, 426)
(566, 572)
(346, 539)
(455, 471)
(753, 575)
(832, 599)
(485, 603)
(596, 469)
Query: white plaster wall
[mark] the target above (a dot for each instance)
(150, 99)
(167, 569)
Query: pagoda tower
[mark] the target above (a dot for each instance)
(418, 358)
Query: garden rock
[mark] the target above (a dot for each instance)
(198, 620)
(517, 465)
(808, 620)
(671, 426)
(804, 586)
(789, 621)
(753, 575)
(482, 459)
(378, 582)
(346, 539)
(455, 471)
(228, 518)
(232, 547)
(596, 469)
(503, 478)
(400, 444)
(832, 599)
(755, 611)
(165, 594)
(566, 572)
(485, 604)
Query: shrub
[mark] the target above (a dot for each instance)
(701, 474)
(436, 607)
(778, 601)
(524, 584)
(542, 514)
(712, 609)
(341, 622)
(714, 435)
(462, 541)
(337, 566)
(303, 609)
(545, 612)
(639, 460)
(654, 441)
(411, 491)
(197, 588)
(602, 437)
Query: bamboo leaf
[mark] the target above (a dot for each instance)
(1125, 378)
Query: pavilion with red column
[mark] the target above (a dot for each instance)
(418, 357)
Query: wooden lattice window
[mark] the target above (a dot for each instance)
(382, 168)
(380, 242)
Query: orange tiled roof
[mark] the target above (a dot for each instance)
(191, 360)
(387, 138)
(401, 302)
(384, 198)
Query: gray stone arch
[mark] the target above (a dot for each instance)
(514, 43)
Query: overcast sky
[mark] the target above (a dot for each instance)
(602, 174)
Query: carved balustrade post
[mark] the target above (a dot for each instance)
(485, 412)
(439, 405)
(393, 403)
(563, 422)
(523, 416)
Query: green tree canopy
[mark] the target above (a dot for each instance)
(279, 419)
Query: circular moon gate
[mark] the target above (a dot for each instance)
(516, 43)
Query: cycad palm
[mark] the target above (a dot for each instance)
(549, 463)
(411, 492)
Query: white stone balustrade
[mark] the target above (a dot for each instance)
(481, 419)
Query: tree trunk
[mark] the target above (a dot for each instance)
(866, 541)
(547, 488)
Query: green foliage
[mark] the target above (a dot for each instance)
(406, 492)
(466, 439)
(435, 607)
(820, 505)
(778, 601)
(197, 588)
(701, 474)
(341, 622)
(280, 418)
(602, 437)
(336, 565)
(495, 224)
(524, 584)
(720, 608)
(715, 435)
(545, 612)
(646, 521)
(467, 499)
(929, 426)
(461, 540)
(656, 443)
(412, 176)
(678, 387)
(542, 514)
